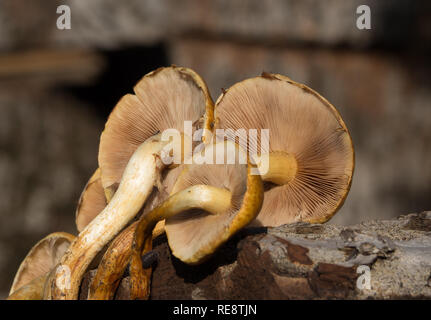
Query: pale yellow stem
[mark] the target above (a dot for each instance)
(278, 167)
(211, 199)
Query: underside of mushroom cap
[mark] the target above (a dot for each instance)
(42, 258)
(303, 125)
(195, 234)
(164, 99)
(91, 202)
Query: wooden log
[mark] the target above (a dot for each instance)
(305, 261)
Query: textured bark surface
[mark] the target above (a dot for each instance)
(304, 261)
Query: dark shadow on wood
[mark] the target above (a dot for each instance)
(225, 255)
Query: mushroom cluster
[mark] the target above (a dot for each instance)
(217, 183)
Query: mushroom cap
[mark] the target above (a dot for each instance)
(42, 258)
(164, 99)
(91, 202)
(195, 234)
(303, 124)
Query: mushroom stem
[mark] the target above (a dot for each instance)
(31, 291)
(140, 277)
(112, 266)
(139, 177)
(211, 199)
(281, 167)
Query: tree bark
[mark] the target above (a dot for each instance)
(304, 261)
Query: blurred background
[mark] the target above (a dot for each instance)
(57, 88)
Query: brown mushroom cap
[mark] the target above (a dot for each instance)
(91, 202)
(195, 234)
(308, 129)
(164, 99)
(41, 258)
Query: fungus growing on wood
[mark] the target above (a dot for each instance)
(306, 172)
(130, 154)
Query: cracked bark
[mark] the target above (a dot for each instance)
(303, 261)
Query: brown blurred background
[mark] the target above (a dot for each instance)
(58, 86)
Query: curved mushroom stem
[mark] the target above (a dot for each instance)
(31, 291)
(281, 167)
(138, 180)
(211, 199)
(112, 266)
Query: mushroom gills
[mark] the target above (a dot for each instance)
(31, 291)
(44, 256)
(310, 153)
(91, 202)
